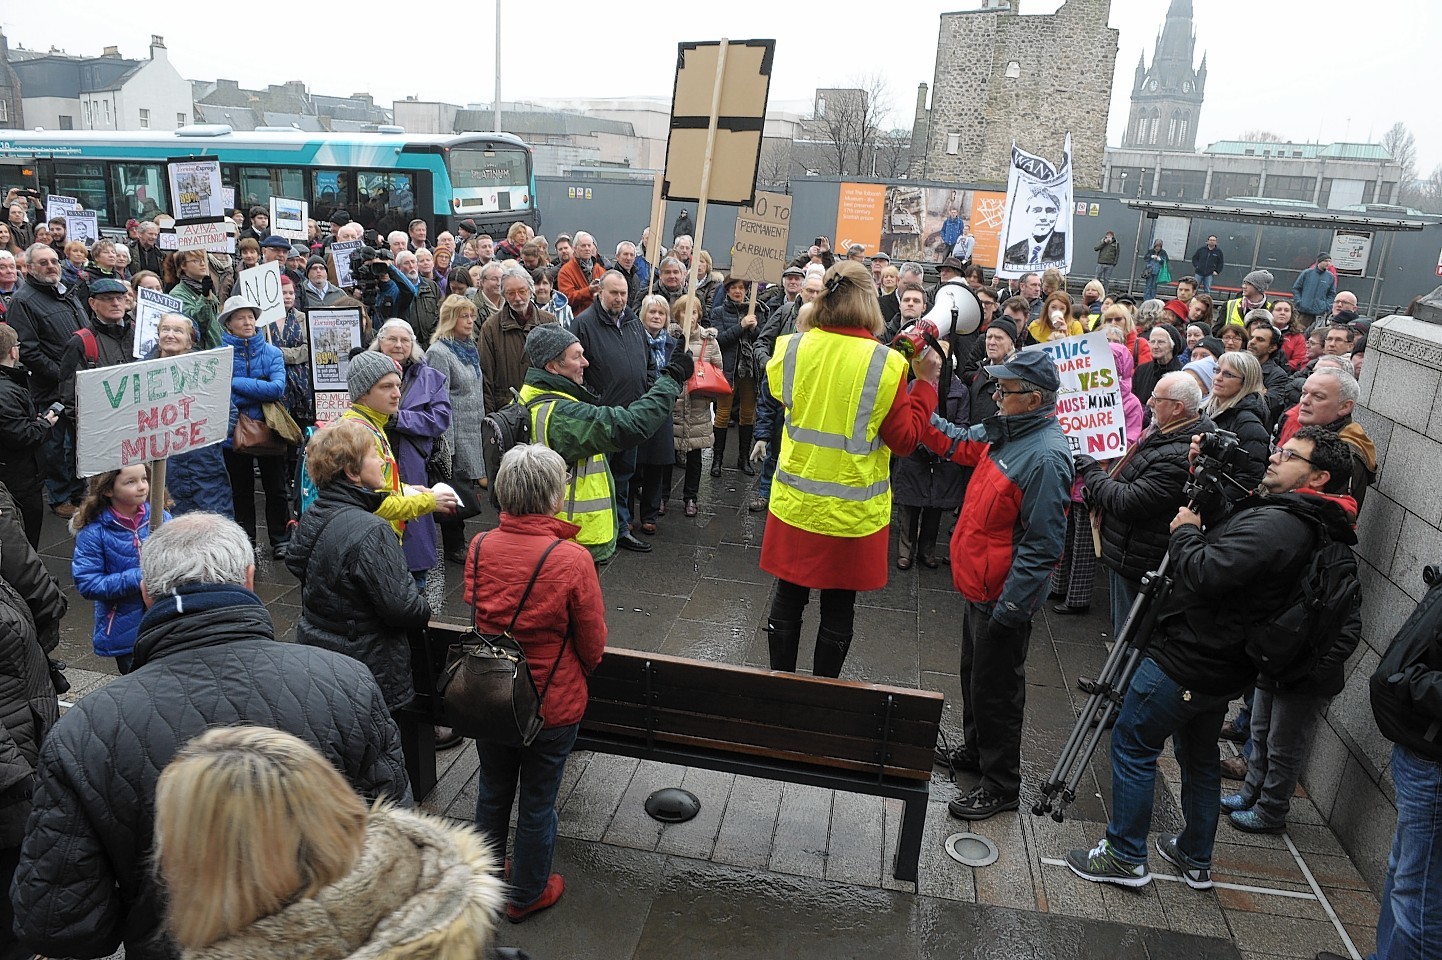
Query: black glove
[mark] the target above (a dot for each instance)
(681, 367)
(1081, 461)
(206, 285)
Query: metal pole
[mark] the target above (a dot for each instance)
(497, 105)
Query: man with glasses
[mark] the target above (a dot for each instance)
(1138, 498)
(1227, 582)
(1008, 539)
(46, 315)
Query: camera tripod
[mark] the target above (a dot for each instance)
(1106, 694)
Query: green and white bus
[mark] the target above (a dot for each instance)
(383, 179)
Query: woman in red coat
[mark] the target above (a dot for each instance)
(562, 629)
(847, 406)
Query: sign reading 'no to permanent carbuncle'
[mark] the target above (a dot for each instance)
(151, 409)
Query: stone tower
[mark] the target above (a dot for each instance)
(1167, 98)
(1001, 76)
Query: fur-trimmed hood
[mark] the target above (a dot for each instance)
(423, 889)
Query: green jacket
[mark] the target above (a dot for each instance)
(580, 428)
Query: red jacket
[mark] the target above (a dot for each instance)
(566, 599)
(576, 285)
(1294, 346)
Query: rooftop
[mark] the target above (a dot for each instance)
(1302, 151)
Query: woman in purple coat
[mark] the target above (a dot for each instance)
(424, 414)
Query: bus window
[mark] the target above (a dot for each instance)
(387, 201)
(85, 181)
(140, 191)
(258, 184)
(330, 191)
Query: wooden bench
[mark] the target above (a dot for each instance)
(836, 734)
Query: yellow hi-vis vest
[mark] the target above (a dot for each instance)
(589, 502)
(832, 473)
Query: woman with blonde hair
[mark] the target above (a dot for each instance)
(1237, 404)
(1117, 315)
(1055, 321)
(693, 430)
(265, 850)
(455, 353)
(829, 513)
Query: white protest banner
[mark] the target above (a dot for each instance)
(288, 218)
(340, 259)
(58, 206)
(329, 405)
(261, 286)
(227, 198)
(208, 235)
(1350, 251)
(333, 335)
(760, 252)
(150, 306)
(1036, 231)
(82, 225)
(195, 190)
(151, 409)
(1089, 403)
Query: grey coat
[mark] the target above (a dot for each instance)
(693, 414)
(468, 408)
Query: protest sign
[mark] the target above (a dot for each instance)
(288, 218)
(58, 206)
(1089, 402)
(261, 286)
(760, 251)
(333, 335)
(82, 225)
(227, 198)
(1037, 229)
(150, 306)
(151, 409)
(208, 235)
(1350, 252)
(195, 190)
(340, 259)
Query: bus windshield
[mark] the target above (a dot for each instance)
(489, 179)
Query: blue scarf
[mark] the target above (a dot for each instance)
(660, 346)
(466, 350)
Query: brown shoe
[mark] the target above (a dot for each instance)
(63, 510)
(1234, 768)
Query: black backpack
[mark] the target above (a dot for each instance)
(504, 428)
(1287, 647)
(1415, 651)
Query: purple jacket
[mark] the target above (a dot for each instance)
(425, 414)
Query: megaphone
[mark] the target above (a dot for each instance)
(957, 309)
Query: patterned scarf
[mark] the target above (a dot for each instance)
(466, 350)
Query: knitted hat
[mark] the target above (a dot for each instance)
(366, 370)
(1177, 341)
(314, 261)
(1261, 279)
(547, 342)
(1215, 345)
(1204, 370)
(1005, 325)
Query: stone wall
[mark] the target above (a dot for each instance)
(1349, 774)
(1065, 62)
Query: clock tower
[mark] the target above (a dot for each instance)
(1167, 97)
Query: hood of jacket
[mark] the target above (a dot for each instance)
(546, 380)
(1357, 438)
(1000, 429)
(200, 615)
(1337, 511)
(421, 887)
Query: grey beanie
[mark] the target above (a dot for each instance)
(1261, 279)
(547, 342)
(366, 370)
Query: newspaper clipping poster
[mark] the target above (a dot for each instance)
(1089, 403)
(195, 189)
(150, 306)
(1036, 233)
(340, 259)
(58, 206)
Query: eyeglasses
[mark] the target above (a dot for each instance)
(1227, 375)
(1158, 396)
(1287, 453)
(1000, 391)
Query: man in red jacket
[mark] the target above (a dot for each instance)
(580, 277)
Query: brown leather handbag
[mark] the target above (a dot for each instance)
(253, 438)
(487, 689)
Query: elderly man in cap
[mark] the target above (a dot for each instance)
(777, 298)
(1315, 290)
(107, 338)
(1008, 539)
(568, 418)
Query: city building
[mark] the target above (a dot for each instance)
(1167, 97)
(12, 109)
(108, 92)
(287, 104)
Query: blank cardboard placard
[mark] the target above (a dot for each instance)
(740, 117)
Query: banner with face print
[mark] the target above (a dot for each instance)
(1036, 232)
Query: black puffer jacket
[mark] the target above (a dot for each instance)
(1235, 575)
(1138, 501)
(22, 568)
(22, 433)
(1276, 378)
(28, 709)
(358, 596)
(45, 316)
(207, 657)
(1248, 420)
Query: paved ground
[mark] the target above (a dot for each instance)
(786, 871)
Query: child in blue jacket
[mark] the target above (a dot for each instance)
(109, 527)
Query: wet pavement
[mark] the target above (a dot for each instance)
(782, 870)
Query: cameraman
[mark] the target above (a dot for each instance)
(384, 290)
(1233, 577)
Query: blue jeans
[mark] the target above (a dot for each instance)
(1150, 290)
(768, 470)
(539, 768)
(623, 465)
(1155, 709)
(1123, 595)
(1409, 926)
(1204, 284)
(61, 484)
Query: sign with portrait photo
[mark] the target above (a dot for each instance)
(1037, 229)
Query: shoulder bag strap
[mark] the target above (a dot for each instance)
(510, 631)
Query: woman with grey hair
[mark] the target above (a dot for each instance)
(1237, 405)
(561, 627)
(423, 417)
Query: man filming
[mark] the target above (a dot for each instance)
(1227, 581)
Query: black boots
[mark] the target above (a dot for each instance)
(831, 648)
(783, 637)
(743, 455)
(718, 450)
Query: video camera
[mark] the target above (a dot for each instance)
(1218, 462)
(369, 265)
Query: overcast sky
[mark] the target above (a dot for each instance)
(1304, 69)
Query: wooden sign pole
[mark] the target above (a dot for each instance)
(157, 494)
(658, 218)
(706, 164)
